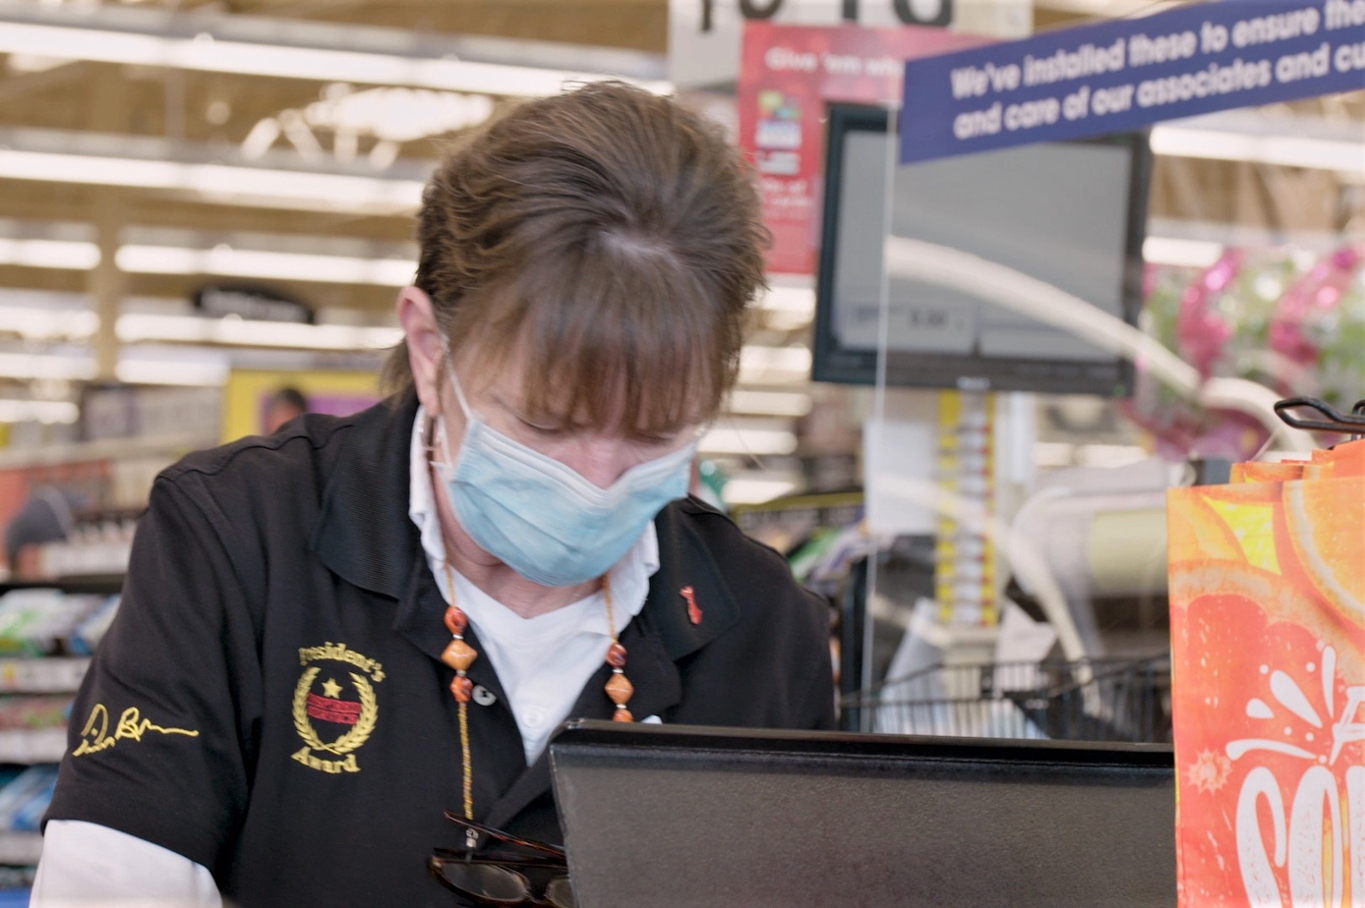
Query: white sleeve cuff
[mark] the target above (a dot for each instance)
(85, 864)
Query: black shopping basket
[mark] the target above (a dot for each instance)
(1110, 699)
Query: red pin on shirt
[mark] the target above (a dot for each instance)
(693, 611)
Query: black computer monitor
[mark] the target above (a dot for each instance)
(669, 816)
(1072, 214)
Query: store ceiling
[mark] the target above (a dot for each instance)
(213, 113)
(222, 166)
(218, 115)
(86, 127)
(210, 114)
(258, 121)
(632, 24)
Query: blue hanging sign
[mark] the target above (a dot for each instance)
(1119, 75)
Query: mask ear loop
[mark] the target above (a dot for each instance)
(442, 438)
(449, 359)
(440, 423)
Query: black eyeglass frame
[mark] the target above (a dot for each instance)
(543, 857)
(542, 848)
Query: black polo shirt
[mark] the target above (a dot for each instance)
(270, 701)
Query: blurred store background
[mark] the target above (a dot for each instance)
(206, 211)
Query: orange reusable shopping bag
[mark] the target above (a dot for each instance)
(1267, 593)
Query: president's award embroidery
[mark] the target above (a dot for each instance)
(335, 708)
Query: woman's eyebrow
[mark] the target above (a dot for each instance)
(519, 408)
(500, 399)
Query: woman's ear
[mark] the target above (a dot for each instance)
(426, 346)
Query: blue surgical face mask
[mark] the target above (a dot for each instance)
(543, 519)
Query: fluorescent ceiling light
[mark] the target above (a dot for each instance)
(778, 320)
(1162, 250)
(755, 491)
(32, 323)
(787, 308)
(134, 367)
(38, 253)
(734, 440)
(48, 411)
(776, 403)
(55, 319)
(135, 327)
(207, 54)
(1344, 157)
(46, 365)
(287, 188)
(171, 372)
(30, 63)
(396, 114)
(223, 261)
(230, 262)
(342, 189)
(800, 300)
(763, 365)
(75, 168)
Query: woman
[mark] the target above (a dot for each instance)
(333, 634)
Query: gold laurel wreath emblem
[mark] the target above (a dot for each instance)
(364, 726)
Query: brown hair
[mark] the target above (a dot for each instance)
(608, 235)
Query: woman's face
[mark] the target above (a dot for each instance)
(599, 455)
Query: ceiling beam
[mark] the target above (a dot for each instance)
(209, 174)
(16, 87)
(281, 48)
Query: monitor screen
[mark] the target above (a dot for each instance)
(1071, 214)
(758, 818)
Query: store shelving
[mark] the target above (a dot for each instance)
(98, 584)
(32, 745)
(44, 675)
(39, 673)
(20, 848)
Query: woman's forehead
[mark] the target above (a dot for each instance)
(608, 399)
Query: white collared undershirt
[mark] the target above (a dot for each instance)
(542, 662)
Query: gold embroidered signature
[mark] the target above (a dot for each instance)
(131, 726)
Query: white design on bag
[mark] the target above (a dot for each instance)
(1317, 865)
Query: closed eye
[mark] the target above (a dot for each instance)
(656, 441)
(543, 430)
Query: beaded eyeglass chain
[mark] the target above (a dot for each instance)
(460, 655)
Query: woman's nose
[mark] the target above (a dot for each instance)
(601, 461)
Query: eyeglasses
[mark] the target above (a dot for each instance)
(511, 871)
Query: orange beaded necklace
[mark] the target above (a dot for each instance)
(460, 655)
